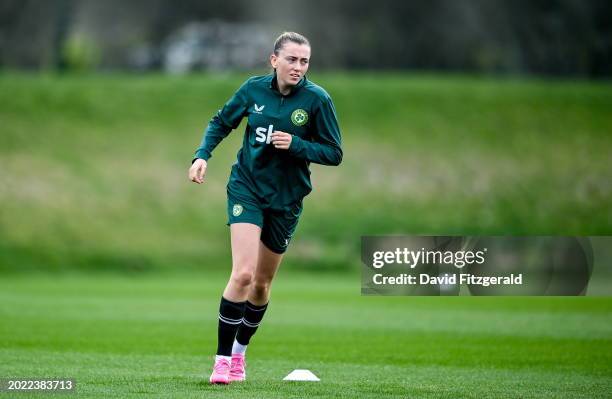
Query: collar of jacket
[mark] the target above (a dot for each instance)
(294, 89)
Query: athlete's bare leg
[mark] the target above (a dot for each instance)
(245, 254)
(267, 265)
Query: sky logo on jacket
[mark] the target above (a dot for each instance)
(264, 135)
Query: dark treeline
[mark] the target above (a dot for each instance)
(548, 37)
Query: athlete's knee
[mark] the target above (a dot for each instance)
(261, 287)
(242, 278)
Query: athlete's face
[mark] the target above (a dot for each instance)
(291, 63)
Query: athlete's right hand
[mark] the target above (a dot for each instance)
(197, 171)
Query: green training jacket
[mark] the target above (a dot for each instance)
(277, 177)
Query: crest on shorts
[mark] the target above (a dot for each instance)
(299, 117)
(237, 210)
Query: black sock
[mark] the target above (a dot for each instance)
(230, 318)
(252, 317)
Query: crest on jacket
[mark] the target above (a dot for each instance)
(299, 117)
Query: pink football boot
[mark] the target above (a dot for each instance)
(237, 370)
(221, 372)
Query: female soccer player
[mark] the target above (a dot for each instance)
(291, 122)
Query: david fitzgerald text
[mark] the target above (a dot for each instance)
(447, 279)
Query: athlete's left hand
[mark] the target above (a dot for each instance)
(281, 140)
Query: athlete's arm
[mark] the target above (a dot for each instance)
(227, 119)
(326, 145)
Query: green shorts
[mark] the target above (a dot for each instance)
(277, 225)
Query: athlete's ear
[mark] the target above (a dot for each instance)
(273, 60)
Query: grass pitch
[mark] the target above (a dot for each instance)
(155, 336)
(93, 178)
